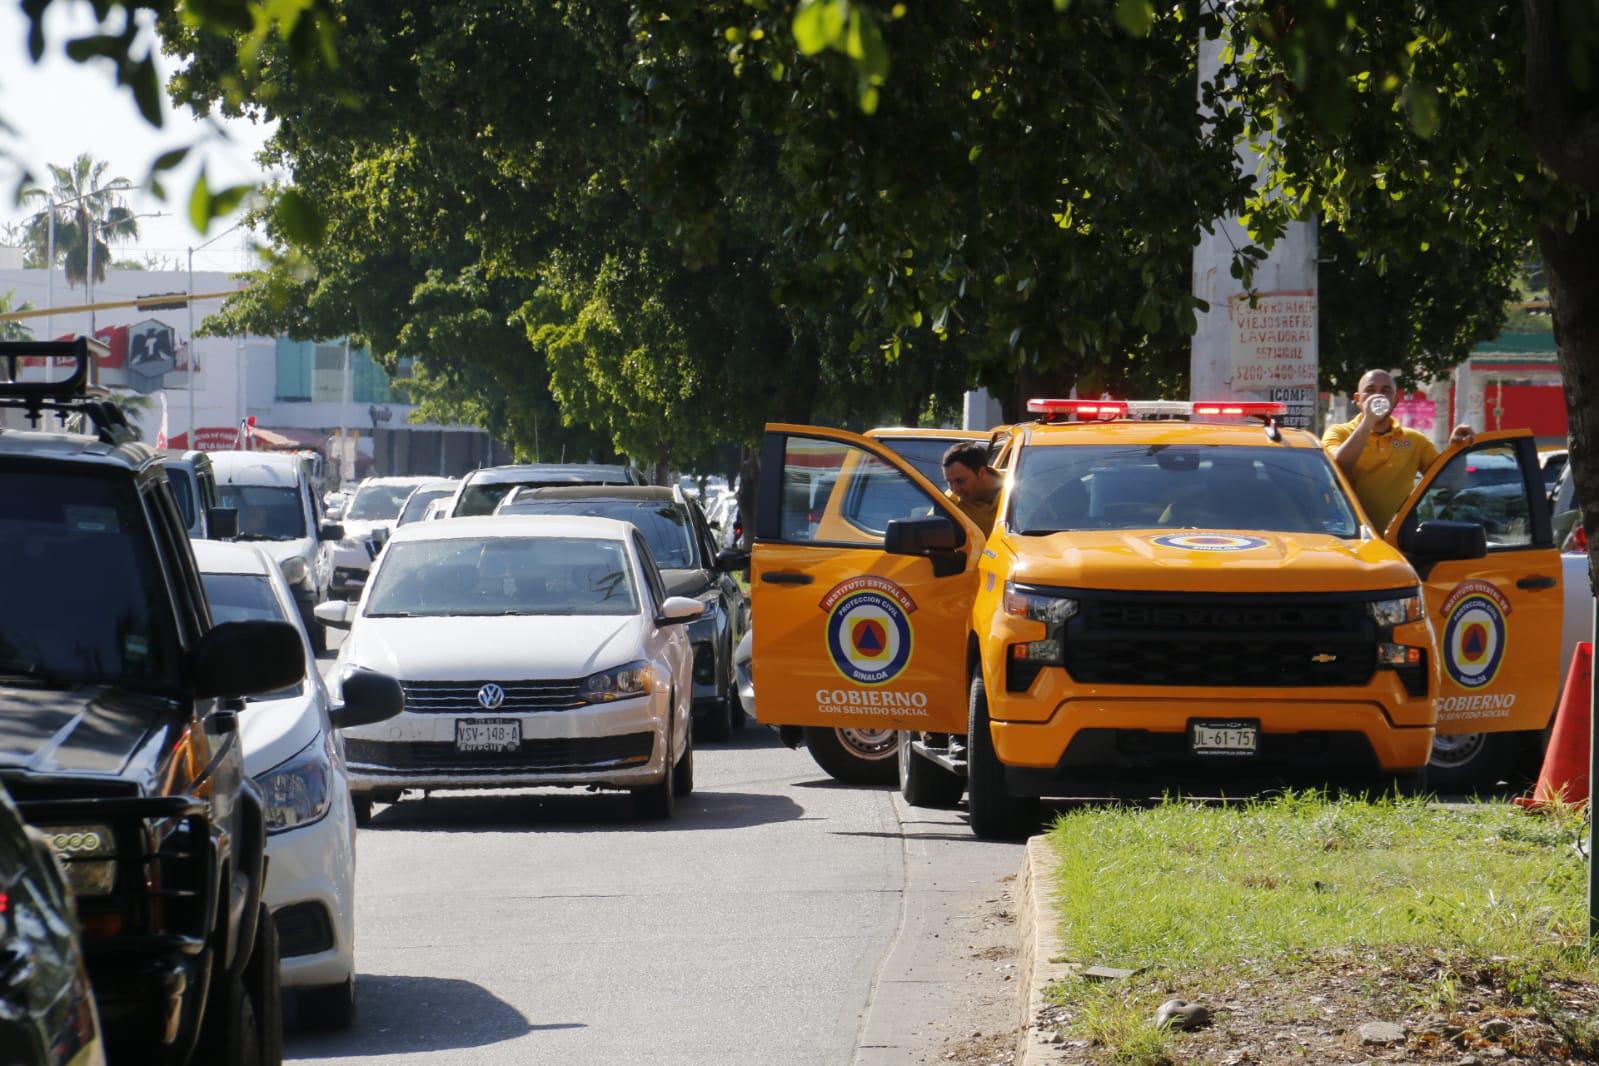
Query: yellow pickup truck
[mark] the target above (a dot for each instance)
(1170, 588)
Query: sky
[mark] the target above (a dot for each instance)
(59, 109)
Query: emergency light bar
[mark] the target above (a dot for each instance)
(1106, 409)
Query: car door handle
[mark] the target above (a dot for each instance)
(787, 577)
(1539, 582)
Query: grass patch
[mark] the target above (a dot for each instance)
(1192, 894)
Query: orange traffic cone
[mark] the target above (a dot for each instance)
(1564, 777)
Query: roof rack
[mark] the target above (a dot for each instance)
(71, 395)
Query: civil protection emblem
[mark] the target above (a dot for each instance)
(1209, 542)
(868, 632)
(1475, 633)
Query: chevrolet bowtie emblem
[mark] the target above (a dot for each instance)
(1323, 658)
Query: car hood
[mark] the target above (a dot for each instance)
(273, 730)
(279, 550)
(1188, 560)
(686, 582)
(500, 648)
(87, 730)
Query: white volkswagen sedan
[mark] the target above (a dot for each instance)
(291, 750)
(533, 650)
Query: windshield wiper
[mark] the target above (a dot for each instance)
(390, 614)
(259, 536)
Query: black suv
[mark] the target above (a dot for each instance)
(119, 728)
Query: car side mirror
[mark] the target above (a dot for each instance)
(1440, 541)
(222, 522)
(380, 537)
(369, 697)
(246, 659)
(922, 536)
(679, 609)
(334, 513)
(330, 531)
(732, 560)
(335, 614)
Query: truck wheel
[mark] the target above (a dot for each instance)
(1467, 761)
(243, 1019)
(327, 1008)
(923, 782)
(855, 756)
(716, 721)
(995, 813)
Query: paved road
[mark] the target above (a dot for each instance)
(779, 918)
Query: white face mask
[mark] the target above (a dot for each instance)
(1378, 407)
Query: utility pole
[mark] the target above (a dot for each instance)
(193, 363)
(346, 453)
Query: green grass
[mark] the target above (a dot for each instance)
(1186, 889)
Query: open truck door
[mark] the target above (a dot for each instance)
(1497, 619)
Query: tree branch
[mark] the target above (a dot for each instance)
(1562, 124)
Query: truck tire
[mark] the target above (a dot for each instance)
(923, 782)
(243, 1019)
(854, 756)
(327, 1008)
(995, 813)
(1468, 761)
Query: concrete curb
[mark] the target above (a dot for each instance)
(1040, 947)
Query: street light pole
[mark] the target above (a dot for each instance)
(193, 362)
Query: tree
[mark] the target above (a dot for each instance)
(13, 331)
(87, 207)
(1429, 122)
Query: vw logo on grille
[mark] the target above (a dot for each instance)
(490, 696)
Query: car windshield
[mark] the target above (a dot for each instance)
(378, 503)
(502, 576)
(1091, 487)
(82, 585)
(665, 525)
(266, 512)
(183, 491)
(246, 598)
(416, 504)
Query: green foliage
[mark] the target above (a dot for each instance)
(13, 331)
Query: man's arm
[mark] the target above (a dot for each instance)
(1346, 452)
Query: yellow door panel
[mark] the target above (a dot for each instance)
(846, 633)
(1496, 620)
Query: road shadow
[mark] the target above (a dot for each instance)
(829, 784)
(396, 1015)
(578, 812)
(752, 737)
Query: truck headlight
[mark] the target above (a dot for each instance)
(1398, 611)
(294, 569)
(88, 852)
(1051, 610)
(297, 790)
(623, 682)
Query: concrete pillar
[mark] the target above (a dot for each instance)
(980, 411)
(1267, 352)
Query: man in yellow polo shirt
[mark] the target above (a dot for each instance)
(973, 485)
(1381, 458)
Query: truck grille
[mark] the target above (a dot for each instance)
(545, 755)
(461, 697)
(1246, 641)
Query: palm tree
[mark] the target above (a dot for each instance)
(13, 331)
(85, 203)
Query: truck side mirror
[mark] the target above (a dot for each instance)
(922, 536)
(1441, 541)
(246, 659)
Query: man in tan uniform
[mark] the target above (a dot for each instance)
(973, 485)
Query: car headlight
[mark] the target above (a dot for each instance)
(621, 683)
(1051, 610)
(1398, 611)
(297, 790)
(88, 852)
(294, 569)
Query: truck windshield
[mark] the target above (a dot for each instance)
(266, 512)
(1094, 487)
(84, 602)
